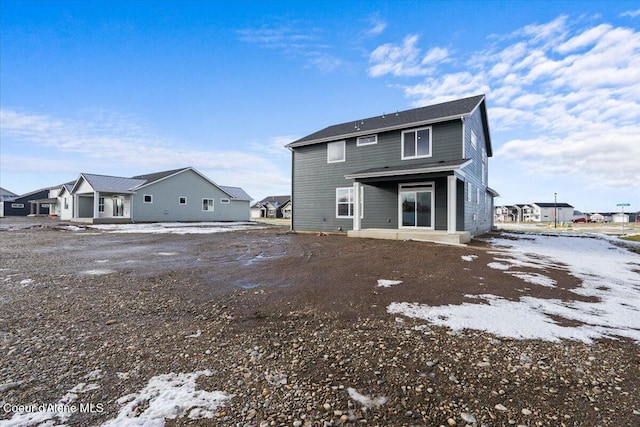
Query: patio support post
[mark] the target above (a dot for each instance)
(356, 206)
(96, 201)
(452, 198)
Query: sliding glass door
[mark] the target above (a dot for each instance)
(416, 206)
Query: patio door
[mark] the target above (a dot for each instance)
(416, 203)
(118, 205)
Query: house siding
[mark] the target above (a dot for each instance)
(478, 216)
(24, 200)
(314, 192)
(166, 207)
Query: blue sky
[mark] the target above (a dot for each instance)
(132, 87)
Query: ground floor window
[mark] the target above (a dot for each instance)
(344, 202)
(182, 200)
(100, 204)
(207, 205)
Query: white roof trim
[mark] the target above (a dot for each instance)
(431, 169)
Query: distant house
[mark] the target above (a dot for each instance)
(33, 203)
(5, 195)
(272, 207)
(552, 212)
(175, 195)
(535, 212)
(420, 173)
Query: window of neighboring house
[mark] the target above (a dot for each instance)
(225, 201)
(207, 205)
(478, 196)
(66, 203)
(147, 198)
(182, 200)
(336, 152)
(344, 202)
(416, 143)
(100, 204)
(17, 205)
(469, 191)
(474, 139)
(367, 140)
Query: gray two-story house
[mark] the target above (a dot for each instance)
(415, 174)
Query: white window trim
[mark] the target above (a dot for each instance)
(144, 198)
(212, 205)
(350, 202)
(344, 151)
(17, 205)
(225, 201)
(185, 200)
(469, 191)
(403, 157)
(474, 139)
(362, 144)
(477, 195)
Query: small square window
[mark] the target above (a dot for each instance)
(147, 198)
(182, 200)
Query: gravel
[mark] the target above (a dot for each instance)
(291, 327)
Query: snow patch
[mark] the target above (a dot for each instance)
(178, 227)
(383, 283)
(168, 396)
(366, 401)
(97, 272)
(608, 273)
(469, 257)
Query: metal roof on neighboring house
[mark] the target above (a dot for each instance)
(156, 176)
(6, 193)
(236, 192)
(112, 183)
(402, 119)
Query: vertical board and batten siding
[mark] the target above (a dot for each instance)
(166, 203)
(315, 180)
(473, 173)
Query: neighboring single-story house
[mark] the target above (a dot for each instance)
(271, 207)
(33, 203)
(175, 195)
(420, 173)
(5, 195)
(552, 212)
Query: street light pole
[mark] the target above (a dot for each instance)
(555, 210)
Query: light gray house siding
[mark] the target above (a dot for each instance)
(166, 196)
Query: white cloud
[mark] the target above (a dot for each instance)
(404, 60)
(113, 142)
(570, 92)
(306, 43)
(631, 13)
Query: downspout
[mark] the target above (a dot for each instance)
(293, 153)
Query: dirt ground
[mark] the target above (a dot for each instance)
(287, 324)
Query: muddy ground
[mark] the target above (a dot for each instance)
(287, 324)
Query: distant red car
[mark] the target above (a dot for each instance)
(580, 220)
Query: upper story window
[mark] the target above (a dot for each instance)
(225, 201)
(474, 139)
(336, 152)
(147, 198)
(367, 140)
(416, 143)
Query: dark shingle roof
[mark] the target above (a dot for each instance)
(431, 113)
(551, 205)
